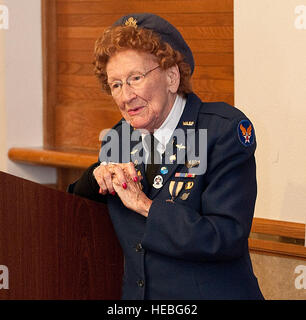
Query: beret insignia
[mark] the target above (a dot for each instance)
(131, 22)
(167, 32)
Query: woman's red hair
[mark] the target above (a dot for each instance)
(120, 38)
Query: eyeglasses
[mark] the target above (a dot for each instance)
(135, 81)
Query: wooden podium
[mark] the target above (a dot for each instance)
(56, 245)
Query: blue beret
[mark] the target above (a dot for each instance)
(167, 32)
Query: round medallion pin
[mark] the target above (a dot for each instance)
(158, 182)
(163, 170)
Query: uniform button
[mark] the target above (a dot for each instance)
(140, 283)
(138, 247)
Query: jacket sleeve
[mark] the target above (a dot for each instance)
(87, 185)
(220, 229)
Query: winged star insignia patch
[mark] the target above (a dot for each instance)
(245, 132)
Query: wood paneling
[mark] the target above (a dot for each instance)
(121, 7)
(279, 228)
(277, 248)
(82, 110)
(200, 33)
(285, 238)
(49, 52)
(85, 124)
(182, 19)
(63, 158)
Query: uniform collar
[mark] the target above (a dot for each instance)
(188, 120)
(165, 131)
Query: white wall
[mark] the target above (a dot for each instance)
(21, 104)
(270, 86)
(2, 106)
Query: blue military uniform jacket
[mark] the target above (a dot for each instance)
(196, 246)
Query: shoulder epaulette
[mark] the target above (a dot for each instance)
(221, 109)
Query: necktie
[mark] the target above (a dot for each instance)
(153, 159)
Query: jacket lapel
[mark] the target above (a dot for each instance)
(176, 150)
(137, 154)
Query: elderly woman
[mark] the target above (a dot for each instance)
(184, 233)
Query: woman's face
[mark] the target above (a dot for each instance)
(149, 105)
